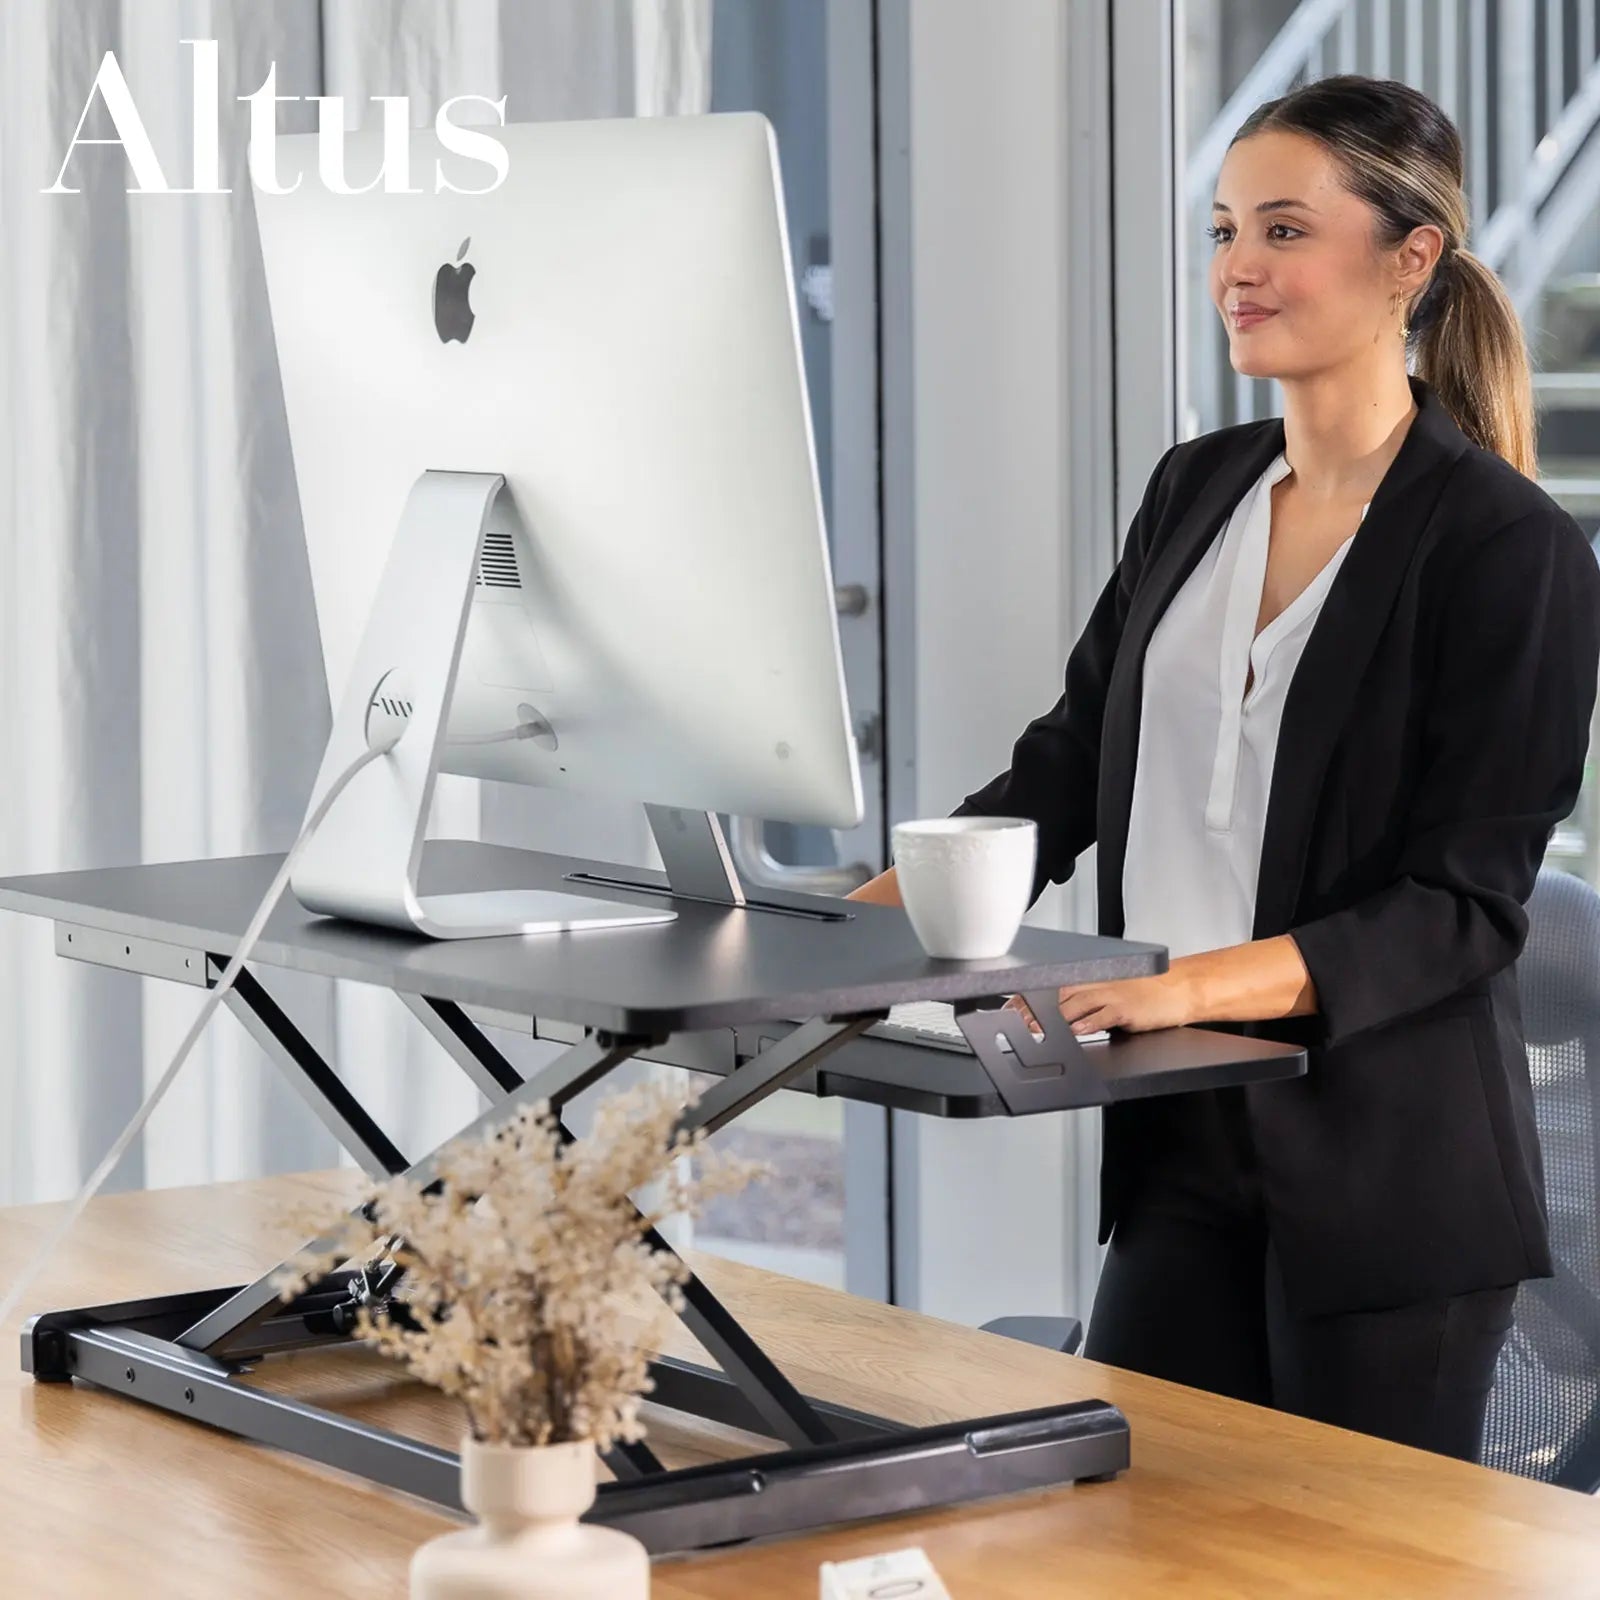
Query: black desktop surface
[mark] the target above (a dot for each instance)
(717, 984)
(712, 967)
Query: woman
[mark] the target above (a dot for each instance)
(1366, 613)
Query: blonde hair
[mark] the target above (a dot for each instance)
(1399, 152)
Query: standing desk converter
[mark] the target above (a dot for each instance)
(764, 998)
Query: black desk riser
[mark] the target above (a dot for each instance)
(718, 990)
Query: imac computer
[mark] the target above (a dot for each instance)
(560, 498)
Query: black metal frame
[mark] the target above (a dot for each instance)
(189, 1354)
(1048, 1072)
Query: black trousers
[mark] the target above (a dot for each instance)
(1191, 1292)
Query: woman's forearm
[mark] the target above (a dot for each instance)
(884, 890)
(1253, 982)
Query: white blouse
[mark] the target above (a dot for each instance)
(1206, 748)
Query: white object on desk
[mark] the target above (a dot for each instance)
(934, 1022)
(965, 882)
(900, 1575)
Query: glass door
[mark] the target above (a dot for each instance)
(809, 67)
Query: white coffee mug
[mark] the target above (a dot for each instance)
(965, 882)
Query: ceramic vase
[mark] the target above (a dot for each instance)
(528, 1543)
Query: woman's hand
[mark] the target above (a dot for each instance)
(1133, 1004)
(884, 890)
(1260, 981)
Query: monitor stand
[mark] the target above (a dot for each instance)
(363, 860)
(699, 865)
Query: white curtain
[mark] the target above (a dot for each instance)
(161, 687)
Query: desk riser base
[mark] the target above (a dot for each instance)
(189, 1354)
(878, 1468)
(320, 1317)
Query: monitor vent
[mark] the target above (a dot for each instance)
(497, 561)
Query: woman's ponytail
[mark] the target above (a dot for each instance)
(1470, 349)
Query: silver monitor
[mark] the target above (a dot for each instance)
(605, 348)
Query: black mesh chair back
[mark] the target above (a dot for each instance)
(1544, 1411)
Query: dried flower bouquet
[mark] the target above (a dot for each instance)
(527, 1266)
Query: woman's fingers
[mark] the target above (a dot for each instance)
(1132, 1004)
(1017, 1003)
(1100, 1017)
(1087, 1010)
(1079, 1003)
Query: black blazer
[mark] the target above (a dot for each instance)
(1433, 735)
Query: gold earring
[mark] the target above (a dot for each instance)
(1404, 327)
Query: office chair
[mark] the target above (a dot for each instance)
(1053, 1333)
(1544, 1410)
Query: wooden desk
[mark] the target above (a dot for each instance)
(101, 1499)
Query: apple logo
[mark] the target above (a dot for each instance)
(452, 315)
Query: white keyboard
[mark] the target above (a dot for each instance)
(932, 1022)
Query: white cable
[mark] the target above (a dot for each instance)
(196, 1028)
(523, 730)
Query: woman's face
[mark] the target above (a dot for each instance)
(1292, 242)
